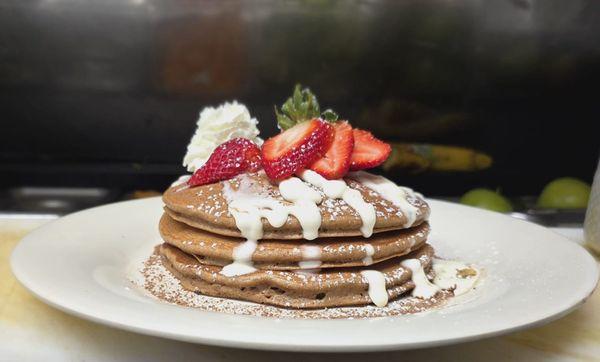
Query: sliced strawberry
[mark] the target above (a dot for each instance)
(230, 159)
(336, 161)
(368, 151)
(295, 148)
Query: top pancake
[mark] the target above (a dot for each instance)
(205, 207)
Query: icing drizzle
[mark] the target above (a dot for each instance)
(377, 290)
(249, 208)
(242, 256)
(304, 205)
(450, 274)
(311, 255)
(397, 195)
(423, 287)
(337, 189)
(369, 252)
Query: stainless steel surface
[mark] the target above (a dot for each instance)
(553, 218)
(52, 201)
(525, 209)
(26, 216)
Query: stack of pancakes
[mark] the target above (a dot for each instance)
(341, 267)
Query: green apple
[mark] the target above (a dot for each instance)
(486, 199)
(565, 193)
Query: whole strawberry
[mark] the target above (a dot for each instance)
(230, 159)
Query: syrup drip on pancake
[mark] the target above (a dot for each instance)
(369, 251)
(397, 195)
(243, 260)
(337, 189)
(449, 275)
(305, 200)
(248, 208)
(312, 257)
(423, 287)
(377, 290)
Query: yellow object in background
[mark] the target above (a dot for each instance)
(427, 157)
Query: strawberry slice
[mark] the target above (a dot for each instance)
(295, 148)
(368, 151)
(229, 159)
(335, 163)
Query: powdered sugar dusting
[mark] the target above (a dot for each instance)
(159, 282)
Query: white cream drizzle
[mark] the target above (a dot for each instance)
(369, 251)
(311, 255)
(310, 264)
(242, 256)
(293, 189)
(249, 212)
(423, 287)
(377, 290)
(397, 195)
(304, 205)
(447, 277)
(308, 272)
(337, 189)
(249, 208)
(332, 188)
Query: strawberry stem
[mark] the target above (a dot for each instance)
(302, 106)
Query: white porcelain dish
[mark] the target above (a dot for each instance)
(82, 264)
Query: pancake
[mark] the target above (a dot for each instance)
(328, 288)
(214, 249)
(206, 207)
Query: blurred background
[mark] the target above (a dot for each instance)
(100, 98)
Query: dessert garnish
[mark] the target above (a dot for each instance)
(368, 151)
(216, 126)
(302, 106)
(295, 148)
(309, 139)
(230, 159)
(335, 162)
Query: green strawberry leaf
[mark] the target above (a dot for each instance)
(330, 116)
(300, 107)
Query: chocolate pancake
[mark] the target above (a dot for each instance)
(214, 249)
(206, 207)
(327, 288)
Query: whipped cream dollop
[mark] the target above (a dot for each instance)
(218, 125)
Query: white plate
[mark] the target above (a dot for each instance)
(81, 264)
